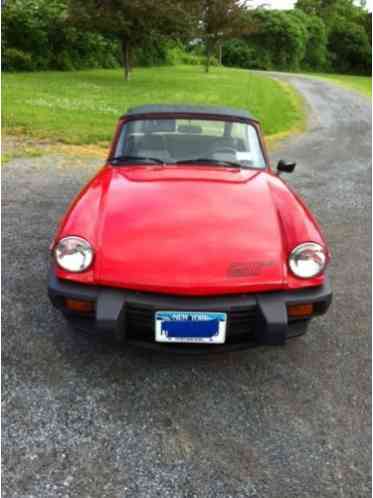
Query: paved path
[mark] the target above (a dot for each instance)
(82, 419)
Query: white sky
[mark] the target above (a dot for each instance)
(288, 4)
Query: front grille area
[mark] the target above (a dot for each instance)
(241, 326)
(139, 323)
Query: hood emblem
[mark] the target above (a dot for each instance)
(250, 269)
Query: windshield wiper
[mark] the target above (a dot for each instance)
(128, 159)
(210, 161)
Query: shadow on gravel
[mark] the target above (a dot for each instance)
(79, 346)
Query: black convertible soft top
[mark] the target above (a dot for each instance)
(189, 109)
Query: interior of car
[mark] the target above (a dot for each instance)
(175, 147)
(182, 139)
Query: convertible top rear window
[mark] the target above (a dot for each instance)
(184, 139)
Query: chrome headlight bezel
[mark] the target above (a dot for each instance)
(308, 254)
(73, 254)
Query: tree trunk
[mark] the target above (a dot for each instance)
(208, 55)
(126, 58)
(221, 53)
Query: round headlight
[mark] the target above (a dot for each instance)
(307, 260)
(73, 254)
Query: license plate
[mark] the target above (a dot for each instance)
(190, 327)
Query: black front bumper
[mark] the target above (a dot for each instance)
(253, 319)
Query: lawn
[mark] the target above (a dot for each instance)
(81, 107)
(362, 84)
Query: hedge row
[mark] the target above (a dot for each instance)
(293, 40)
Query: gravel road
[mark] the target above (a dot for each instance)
(84, 419)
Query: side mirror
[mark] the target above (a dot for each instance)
(284, 167)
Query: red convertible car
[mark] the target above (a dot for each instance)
(186, 238)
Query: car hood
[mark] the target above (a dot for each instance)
(186, 230)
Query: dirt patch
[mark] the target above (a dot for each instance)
(16, 146)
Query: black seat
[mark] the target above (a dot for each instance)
(227, 142)
(149, 146)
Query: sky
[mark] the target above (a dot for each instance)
(288, 4)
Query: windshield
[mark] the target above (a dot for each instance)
(202, 140)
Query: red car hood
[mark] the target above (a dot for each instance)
(189, 230)
(198, 230)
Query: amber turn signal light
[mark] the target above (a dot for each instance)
(79, 306)
(300, 310)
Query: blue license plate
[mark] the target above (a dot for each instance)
(190, 327)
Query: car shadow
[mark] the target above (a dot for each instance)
(128, 358)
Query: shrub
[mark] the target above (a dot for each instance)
(175, 55)
(281, 40)
(316, 50)
(350, 48)
(17, 60)
(315, 40)
(192, 59)
(167, 52)
(151, 53)
(237, 53)
(38, 36)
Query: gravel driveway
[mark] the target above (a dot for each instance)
(84, 419)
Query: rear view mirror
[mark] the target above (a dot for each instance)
(285, 167)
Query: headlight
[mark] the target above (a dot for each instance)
(73, 254)
(307, 260)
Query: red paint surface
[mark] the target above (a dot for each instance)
(193, 230)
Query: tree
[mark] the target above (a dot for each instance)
(221, 20)
(316, 39)
(367, 23)
(237, 53)
(310, 7)
(350, 48)
(37, 36)
(329, 10)
(348, 30)
(132, 22)
(279, 39)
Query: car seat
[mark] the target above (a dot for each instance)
(149, 146)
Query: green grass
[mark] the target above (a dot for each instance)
(82, 107)
(362, 84)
